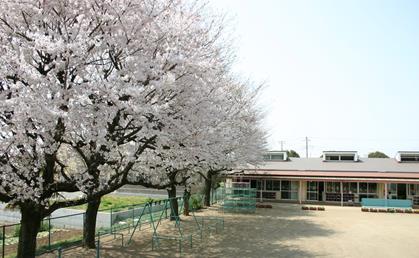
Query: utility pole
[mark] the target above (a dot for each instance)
(282, 145)
(307, 147)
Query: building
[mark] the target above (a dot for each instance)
(338, 177)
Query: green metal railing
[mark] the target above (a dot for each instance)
(59, 233)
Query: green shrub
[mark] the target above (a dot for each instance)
(196, 202)
(44, 226)
(16, 231)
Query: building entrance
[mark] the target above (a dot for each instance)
(401, 191)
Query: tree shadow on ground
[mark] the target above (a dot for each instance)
(266, 233)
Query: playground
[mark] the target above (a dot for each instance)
(283, 231)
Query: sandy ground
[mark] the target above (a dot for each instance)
(283, 231)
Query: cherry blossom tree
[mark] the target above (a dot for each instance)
(119, 85)
(98, 76)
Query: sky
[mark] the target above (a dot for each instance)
(345, 74)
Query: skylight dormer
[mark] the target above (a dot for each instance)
(407, 156)
(275, 156)
(340, 156)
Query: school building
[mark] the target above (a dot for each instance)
(338, 177)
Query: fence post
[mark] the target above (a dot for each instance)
(111, 220)
(49, 232)
(98, 247)
(4, 240)
(84, 222)
(60, 250)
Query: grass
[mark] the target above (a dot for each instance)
(117, 203)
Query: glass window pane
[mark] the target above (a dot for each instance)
(363, 187)
(285, 195)
(333, 187)
(285, 185)
(372, 188)
(414, 190)
(268, 184)
(393, 188)
(259, 184)
(312, 196)
(277, 157)
(345, 187)
(312, 186)
(294, 185)
(354, 188)
(347, 157)
(329, 187)
(332, 157)
(276, 185)
(294, 195)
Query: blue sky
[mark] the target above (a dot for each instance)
(343, 73)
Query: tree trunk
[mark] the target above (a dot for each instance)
(186, 197)
(29, 226)
(174, 211)
(207, 189)
(89, 227)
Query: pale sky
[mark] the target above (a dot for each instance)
(343, 73)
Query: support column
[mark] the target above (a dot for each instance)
(300, 188)
(385, 192)
(341, 194)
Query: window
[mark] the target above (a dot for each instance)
(372, 188)
(367, 190)
(363, 187)
(253, 183)
(410, 158)
(312, 186)
(354, 187)
(275, 156)
(276, 185)
(350, 187)
(285, 186)
(340, 156)
(268, 184)
(333, 187)
(414, 189)
(259, 185)
(332, 157)
(392, 189)
(289, 190)
(407, 156)
(312, 191)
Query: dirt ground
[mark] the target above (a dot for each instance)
(283, 231)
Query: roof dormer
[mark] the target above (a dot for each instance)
(337, 156)
(275, 156)
(407, 156)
